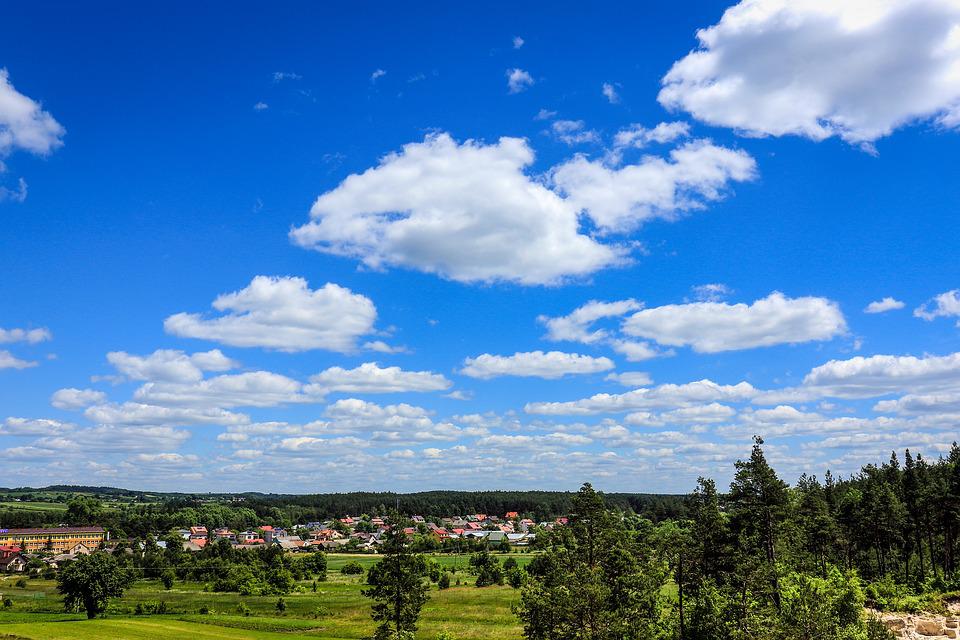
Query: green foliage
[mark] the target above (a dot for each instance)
(281, 606)
(352, 568)
(21, 583)
(444, 581)
(167, 578)
(89, 582)
(815, 608)
(396, 586)
(487, 569)
(597, 580)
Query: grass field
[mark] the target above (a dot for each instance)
(336, 610)
(33, 506)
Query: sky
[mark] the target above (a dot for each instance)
(304, 248)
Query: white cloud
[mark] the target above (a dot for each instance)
(621, 199)
(23, 124)
(466, 212)
(575, 327)
(378, 73)
(867, 377)
(517, 42)
(817, 68)
(168, 365)
(550, 365)
(884, 305)
(573, 132)
(518, 80)
(631, 378)
(74, 399)
(282, 313)
(610, 93)
(30, 336)
(714, 292)
(371, 378)
(665, 396)
(250, 389)
(261, 106)
(912, 404)
(711, 327)
(635, 351)
(9, 361)
(942, 306)
(545, 114)
(135, 413)
(638, 136)
(33, 427)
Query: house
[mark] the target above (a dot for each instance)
(80, 549)
(13, 564)
(419, 519)
(440, 534)
(224, 533)
(194, 545)
(512, 515)
(526, 524)
(247, 537)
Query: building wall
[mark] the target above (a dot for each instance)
(61, 541)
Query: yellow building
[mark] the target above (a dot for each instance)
(59, 539)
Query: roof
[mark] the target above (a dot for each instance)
(30, 532)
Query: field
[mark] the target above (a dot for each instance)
(336, 610)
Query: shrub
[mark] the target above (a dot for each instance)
(7, 602)
(281, 606)
(21, 583)
(204, 610)
(167, 579)
(444, 581)
(352, 568)
(243, 609)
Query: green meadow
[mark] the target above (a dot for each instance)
(336, 610)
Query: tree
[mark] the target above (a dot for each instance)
(759, 502)
(397, 586)
(596, 580)
(89, 582)
(487, 569)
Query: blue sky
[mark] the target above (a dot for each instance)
(441, 238)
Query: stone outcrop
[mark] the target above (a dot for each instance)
(924, 626)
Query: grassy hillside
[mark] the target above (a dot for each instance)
(336, 610)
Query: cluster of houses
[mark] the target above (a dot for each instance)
(366, 533)
(58, 545)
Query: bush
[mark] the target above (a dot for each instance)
(21, 583)
(243, 609)
(167, 578)
(444, 581)
(352, 568)
(7, 602)
(515, 577)
(281, 606)
(204, 610)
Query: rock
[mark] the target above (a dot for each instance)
(928, 626)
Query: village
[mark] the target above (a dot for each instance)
(42, 550)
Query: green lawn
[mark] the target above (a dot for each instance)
(33, 506)
(336, 610)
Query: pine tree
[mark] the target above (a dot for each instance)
(397, 586)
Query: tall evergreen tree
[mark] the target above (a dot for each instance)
(397, 586)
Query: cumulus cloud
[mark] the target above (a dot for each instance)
(135, 413)
(816, 68)
(631, 378)
(9, 361)
(639, 136)
(713, 292)
(371, 378)
(169, 365)
(884, 305)
(24, 124)
(74, 399)
(463, 211)
(621, 199)
(469, 212)
(282, 313)
(33, 427)
(377, 74)
(250, 389)
(711, 327)
(537, 364)
(573, 132)
(665, 396)
(945, 305)
(867, 377)
(517, 42)
(576, 326)
(518, 80)
(30, 336)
